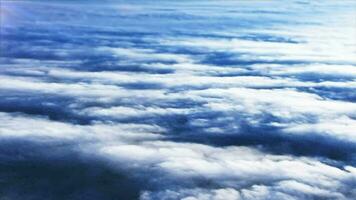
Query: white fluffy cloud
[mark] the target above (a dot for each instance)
(237, 167)
(233, 171)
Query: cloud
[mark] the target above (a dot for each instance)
(29, 127)
(231, 167)
(186, 162)
(177, 100)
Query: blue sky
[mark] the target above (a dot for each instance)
(222, 100)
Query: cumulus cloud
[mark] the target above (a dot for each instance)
(24, 126)
(231, 167)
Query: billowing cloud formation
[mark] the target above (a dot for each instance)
(178, 100)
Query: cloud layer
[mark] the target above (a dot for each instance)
(178, 100)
